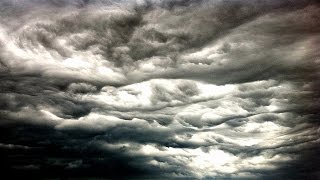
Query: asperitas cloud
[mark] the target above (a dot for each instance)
(169, 89)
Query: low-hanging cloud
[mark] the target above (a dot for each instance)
(159, 89)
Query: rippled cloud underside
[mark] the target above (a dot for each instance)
(162, 89)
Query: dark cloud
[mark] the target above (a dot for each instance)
(159, 89)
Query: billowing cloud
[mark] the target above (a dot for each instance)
(160, 89)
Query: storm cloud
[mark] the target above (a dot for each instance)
(164, 89)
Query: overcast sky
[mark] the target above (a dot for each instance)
(169, 89)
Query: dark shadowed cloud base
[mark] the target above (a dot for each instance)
(168, 89)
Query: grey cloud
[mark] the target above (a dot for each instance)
(13, 146)
(159, 89)
(81, 88)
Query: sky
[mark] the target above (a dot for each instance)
(160, 89)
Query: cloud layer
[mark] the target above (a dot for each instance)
(160, 89)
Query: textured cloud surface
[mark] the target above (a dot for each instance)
(160, 89)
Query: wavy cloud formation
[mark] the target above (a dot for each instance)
(160, 89)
